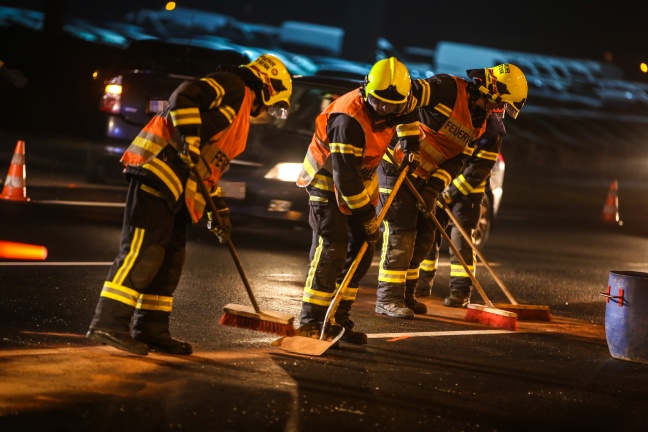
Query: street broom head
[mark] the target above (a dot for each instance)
(493, 317)
(265, 321)
(527, 312)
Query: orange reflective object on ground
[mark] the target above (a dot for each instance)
(13, 250)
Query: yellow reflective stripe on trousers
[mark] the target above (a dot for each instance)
(310, 295)
(120, 293)
(155, 302)
(457, 270)
(430, 265)
(135, 246)
(384, 275)
(412, 274)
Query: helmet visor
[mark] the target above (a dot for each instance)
(279, 110)
(512, 111)
(385, 108)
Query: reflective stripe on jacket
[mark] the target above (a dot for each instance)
(452, 138)
(319, 151)
(216, 154)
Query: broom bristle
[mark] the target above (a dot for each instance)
(257, 324)
(492, 317)
(527, 312)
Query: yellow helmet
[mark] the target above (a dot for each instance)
(388, 81)
(506, 83)
(277, 83)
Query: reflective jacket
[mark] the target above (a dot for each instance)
(202, 109)
(349, 168)
(449, 130)
(474, 177)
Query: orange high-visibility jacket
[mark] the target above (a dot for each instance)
(217, 152)
(376, 143)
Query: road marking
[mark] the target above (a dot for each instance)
(22, 263)
(83, 203)
(397, 336)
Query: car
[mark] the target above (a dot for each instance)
(260, 184)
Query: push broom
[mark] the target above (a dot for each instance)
(251, 318)
(488, 314)
(524, 312)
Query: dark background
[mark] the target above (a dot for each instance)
(602, 31)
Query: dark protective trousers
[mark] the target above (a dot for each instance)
(337, 238)
(407, 237)
(467, 211)
(147, 269)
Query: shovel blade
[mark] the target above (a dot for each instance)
(309, 346)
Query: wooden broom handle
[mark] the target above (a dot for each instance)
(212, 206)
(430, 213)
(330, 313)
(478, 252)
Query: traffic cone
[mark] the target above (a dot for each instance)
(25, 251)
(15, 188)
(611, 208)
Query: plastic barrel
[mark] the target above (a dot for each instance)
(626, 315)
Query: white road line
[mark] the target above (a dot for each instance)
(439, 333)
(83, 203)
(45, 263)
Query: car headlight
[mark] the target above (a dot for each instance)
(288, 172)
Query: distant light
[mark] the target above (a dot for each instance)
(643, 67)
(170, 6)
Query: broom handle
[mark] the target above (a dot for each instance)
(478, 252)
(430, 213)
(356, 261)
(230, 245)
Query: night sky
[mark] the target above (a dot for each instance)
(577, 29)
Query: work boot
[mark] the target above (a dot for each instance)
(121, 341)
(410, 298)
(395, 310)
(166, 344)
(152, 328)
(416, 306)
(350, 335)
(310, 330)
(313, 330)
(457, 299)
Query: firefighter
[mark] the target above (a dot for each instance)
(339, 174)
(205, 126)
(452, 122)
(464, 197)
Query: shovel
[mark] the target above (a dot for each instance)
(332, 332)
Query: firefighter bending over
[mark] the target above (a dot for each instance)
(205, 127)
(452, 121)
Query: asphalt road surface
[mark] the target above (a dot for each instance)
(437, 372)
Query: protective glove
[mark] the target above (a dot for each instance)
(190, 153)
(445, 199)
(430, 197)
(371, 228)
(223, 230)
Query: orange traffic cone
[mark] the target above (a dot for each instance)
(15, 188)
(611, 208)
(25, 251)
